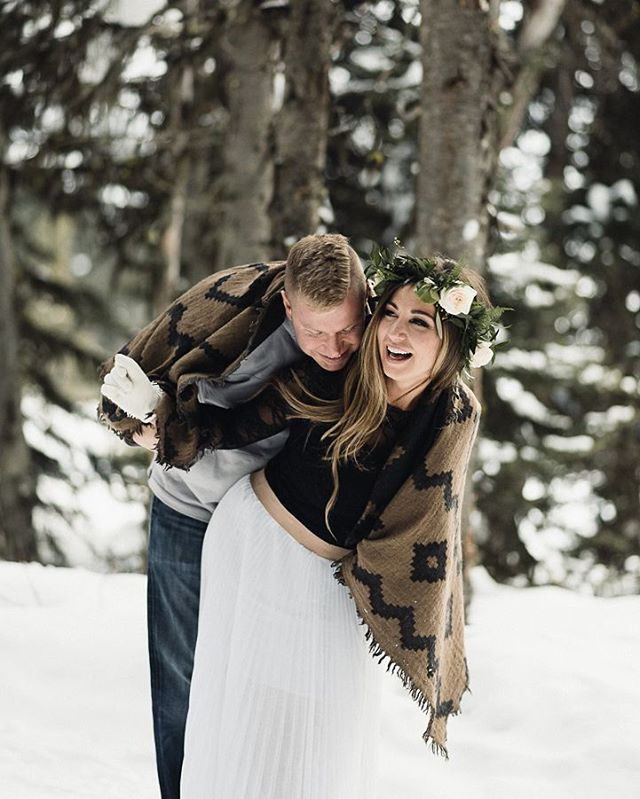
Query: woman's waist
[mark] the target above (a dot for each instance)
(290, 523)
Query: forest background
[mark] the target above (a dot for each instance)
(145, 145)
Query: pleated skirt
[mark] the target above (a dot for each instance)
(285, 697)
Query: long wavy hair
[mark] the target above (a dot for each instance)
(355, 419)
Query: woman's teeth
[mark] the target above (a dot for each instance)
(397, 355)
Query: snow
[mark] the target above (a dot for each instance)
(522, 268)
(601, 197)
(74, 713)
(553, 713)
(132, 14)
(108, 521)
(527, 405)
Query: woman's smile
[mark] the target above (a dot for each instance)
(396, 355)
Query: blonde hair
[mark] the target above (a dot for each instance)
(357, 417)
(324, 268)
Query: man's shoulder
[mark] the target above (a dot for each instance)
(231, 290)
(241, 276)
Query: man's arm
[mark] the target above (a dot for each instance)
(218, 428)
(255, 420)
(200, 335)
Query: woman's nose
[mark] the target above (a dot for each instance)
(397, 329)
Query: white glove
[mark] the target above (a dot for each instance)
(130, 389)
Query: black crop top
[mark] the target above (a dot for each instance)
(299, 475)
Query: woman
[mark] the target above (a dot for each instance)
(284, 697)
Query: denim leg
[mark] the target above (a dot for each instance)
(173, 593)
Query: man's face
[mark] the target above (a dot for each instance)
(328, 335)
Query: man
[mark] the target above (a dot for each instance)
(218, 343)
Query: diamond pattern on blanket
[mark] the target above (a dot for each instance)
(429, 562)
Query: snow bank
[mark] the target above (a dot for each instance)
(553, 713)
(75, 719)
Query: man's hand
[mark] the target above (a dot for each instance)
(147, 438)
(129, 388)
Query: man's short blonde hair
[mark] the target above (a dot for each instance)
(324, 269)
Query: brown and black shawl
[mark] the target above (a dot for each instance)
(405, 576)
(205, 333)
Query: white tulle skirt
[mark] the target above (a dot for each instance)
(285, 696)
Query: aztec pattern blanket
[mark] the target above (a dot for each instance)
(205, 333)
(406, 576)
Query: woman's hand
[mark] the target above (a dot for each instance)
(147, 438)
(128, 387)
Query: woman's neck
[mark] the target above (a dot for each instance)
(403, 396)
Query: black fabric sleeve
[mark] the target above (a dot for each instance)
(231, 428)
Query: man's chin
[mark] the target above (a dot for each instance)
(332, 364)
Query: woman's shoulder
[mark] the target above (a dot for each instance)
(462, 403)
(467, 393)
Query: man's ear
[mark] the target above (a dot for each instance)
(286, 303)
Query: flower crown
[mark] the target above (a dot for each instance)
(454, 300)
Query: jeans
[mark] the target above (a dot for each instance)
(173, 595)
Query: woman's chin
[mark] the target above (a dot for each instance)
(394, 369)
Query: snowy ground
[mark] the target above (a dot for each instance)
(553, 714)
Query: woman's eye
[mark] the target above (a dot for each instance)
(420, 322)
(388, 312)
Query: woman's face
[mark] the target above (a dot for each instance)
(408, 342)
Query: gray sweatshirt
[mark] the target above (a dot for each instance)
(195, 493)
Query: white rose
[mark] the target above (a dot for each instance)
(457, 300)
(482, 355)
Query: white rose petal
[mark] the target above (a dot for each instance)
(482, 355)
(458, 299)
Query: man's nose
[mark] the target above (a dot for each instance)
(334, 345)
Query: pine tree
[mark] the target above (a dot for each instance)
(567, 412)
(51, 136)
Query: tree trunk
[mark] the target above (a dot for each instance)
(17, 484)
(167, 287)
(245, 187)
(540, 21)
(460, 133)
(457, 150)
(458, 129)
(302, 124)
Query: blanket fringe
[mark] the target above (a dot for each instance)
(416, 693)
